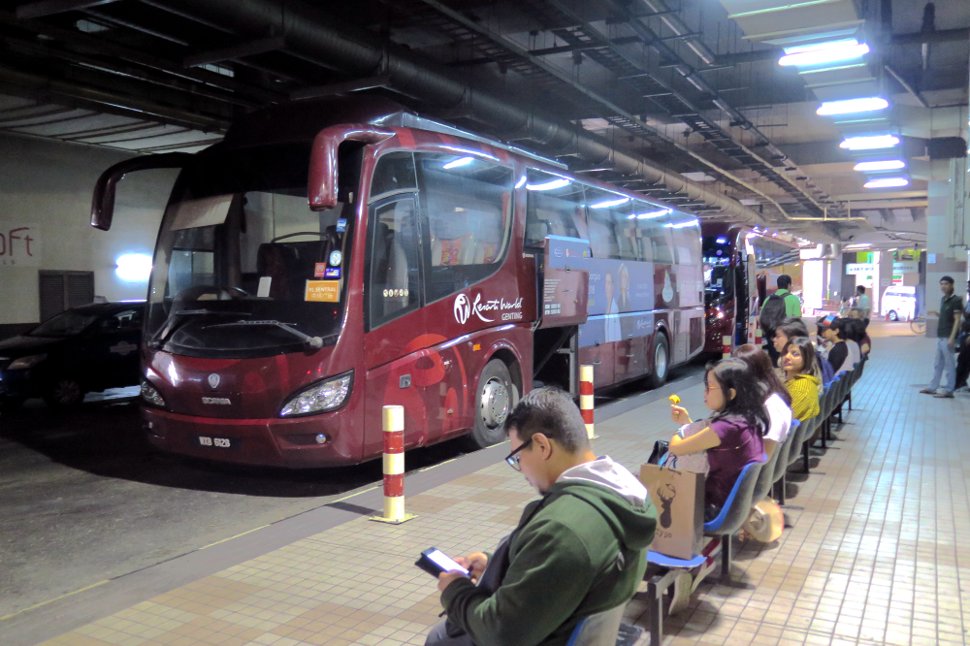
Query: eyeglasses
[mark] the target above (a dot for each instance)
(514, 460)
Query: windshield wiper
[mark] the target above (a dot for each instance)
(177, 319)
(314, 342)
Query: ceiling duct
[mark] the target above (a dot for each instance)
(312, 34)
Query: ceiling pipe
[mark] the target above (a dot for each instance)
(314, 34)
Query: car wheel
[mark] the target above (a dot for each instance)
(893, 316)
(661, 361)
(495, 398)
(64, 392)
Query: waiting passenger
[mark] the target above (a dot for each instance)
(844, 352)
(802, 378)
(579, 550)
(857, 331)
(778, 403)
(789, 327)
(733, 435)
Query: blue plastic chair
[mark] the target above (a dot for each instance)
(734, 512)
(598, 629)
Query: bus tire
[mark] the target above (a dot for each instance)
(495, 396)
(660, 366)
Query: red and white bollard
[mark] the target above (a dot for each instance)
(393, 421)
(726, 346)
(586, 399)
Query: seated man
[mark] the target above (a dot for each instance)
(578, 550)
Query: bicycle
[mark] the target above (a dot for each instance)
(918, 325)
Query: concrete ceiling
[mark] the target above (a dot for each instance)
(690, 87)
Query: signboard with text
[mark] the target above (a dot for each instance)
(19, 244)
(857, 268)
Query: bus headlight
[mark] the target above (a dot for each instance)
(324, 396)
(150, 395)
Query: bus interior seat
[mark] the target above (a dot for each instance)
(280, 263)
(390, 271)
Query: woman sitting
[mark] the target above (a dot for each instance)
(732, 436)
(778, 404)
(802, 378)
(789, 327)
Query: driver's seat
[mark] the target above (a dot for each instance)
(279, 262)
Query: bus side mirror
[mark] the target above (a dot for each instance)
(103, 200)
(322, 181)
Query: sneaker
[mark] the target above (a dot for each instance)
(963, 389)
(944, 394)
(928, 391)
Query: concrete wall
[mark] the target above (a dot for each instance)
(45, 200)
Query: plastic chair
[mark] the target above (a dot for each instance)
(781, 463)
(598, 629)
(734, 512)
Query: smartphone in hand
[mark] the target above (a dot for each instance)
(434, 562)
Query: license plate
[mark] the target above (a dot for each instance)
(218, 442)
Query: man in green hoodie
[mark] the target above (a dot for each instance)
(578, 550)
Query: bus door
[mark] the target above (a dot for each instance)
(401, 367)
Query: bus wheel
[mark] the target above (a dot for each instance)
(893, 316)
(494, 401)
(661, 361)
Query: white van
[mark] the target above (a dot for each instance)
(898, 303)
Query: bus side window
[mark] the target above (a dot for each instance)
(554, 207)
(394, 173)
(394, 266)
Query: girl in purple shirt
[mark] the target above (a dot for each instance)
(733, 436)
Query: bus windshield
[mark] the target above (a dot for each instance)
(242, 266)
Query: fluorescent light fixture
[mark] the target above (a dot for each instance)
(869, 142)
(551, 185)
(887, 182)
(605, 204)
(458, 163)
(133, 267)
(521, 182)
(852, 106)
(681, 225)
(649, 215)
(783, 7)
(836, 51)
(721, 240)
(885, 164)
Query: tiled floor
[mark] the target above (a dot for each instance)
(873, 556)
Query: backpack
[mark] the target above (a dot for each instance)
(772, 314)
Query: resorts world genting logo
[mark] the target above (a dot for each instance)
(486, 310)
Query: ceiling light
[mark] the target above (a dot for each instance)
(887, 182)
(852, 106)
(783, 7)
(823, 53)
(551, 185)
(605, 204)
(885, 164)
(869, 142)
(649, 215)
(458, 163)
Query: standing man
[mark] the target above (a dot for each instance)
(862, 302)
(951, 311)
(577, 551)
(779, 306)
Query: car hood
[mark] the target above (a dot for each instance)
(22, 346)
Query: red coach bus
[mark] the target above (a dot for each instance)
(737, 260)
(328, 258)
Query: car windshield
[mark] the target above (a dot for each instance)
(242, 262)
(66, 323)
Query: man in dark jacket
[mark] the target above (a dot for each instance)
(577, 551)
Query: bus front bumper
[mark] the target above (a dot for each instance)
(301, 442)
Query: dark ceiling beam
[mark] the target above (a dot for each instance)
(907, 86)
(44, 8)
(83, 94)
(239, 50)
(940, 36)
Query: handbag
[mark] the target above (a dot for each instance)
(660, 448)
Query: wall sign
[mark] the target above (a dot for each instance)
(19, 244)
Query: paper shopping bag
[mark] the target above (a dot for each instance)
(679, 499)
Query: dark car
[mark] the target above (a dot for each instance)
(88, 348)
